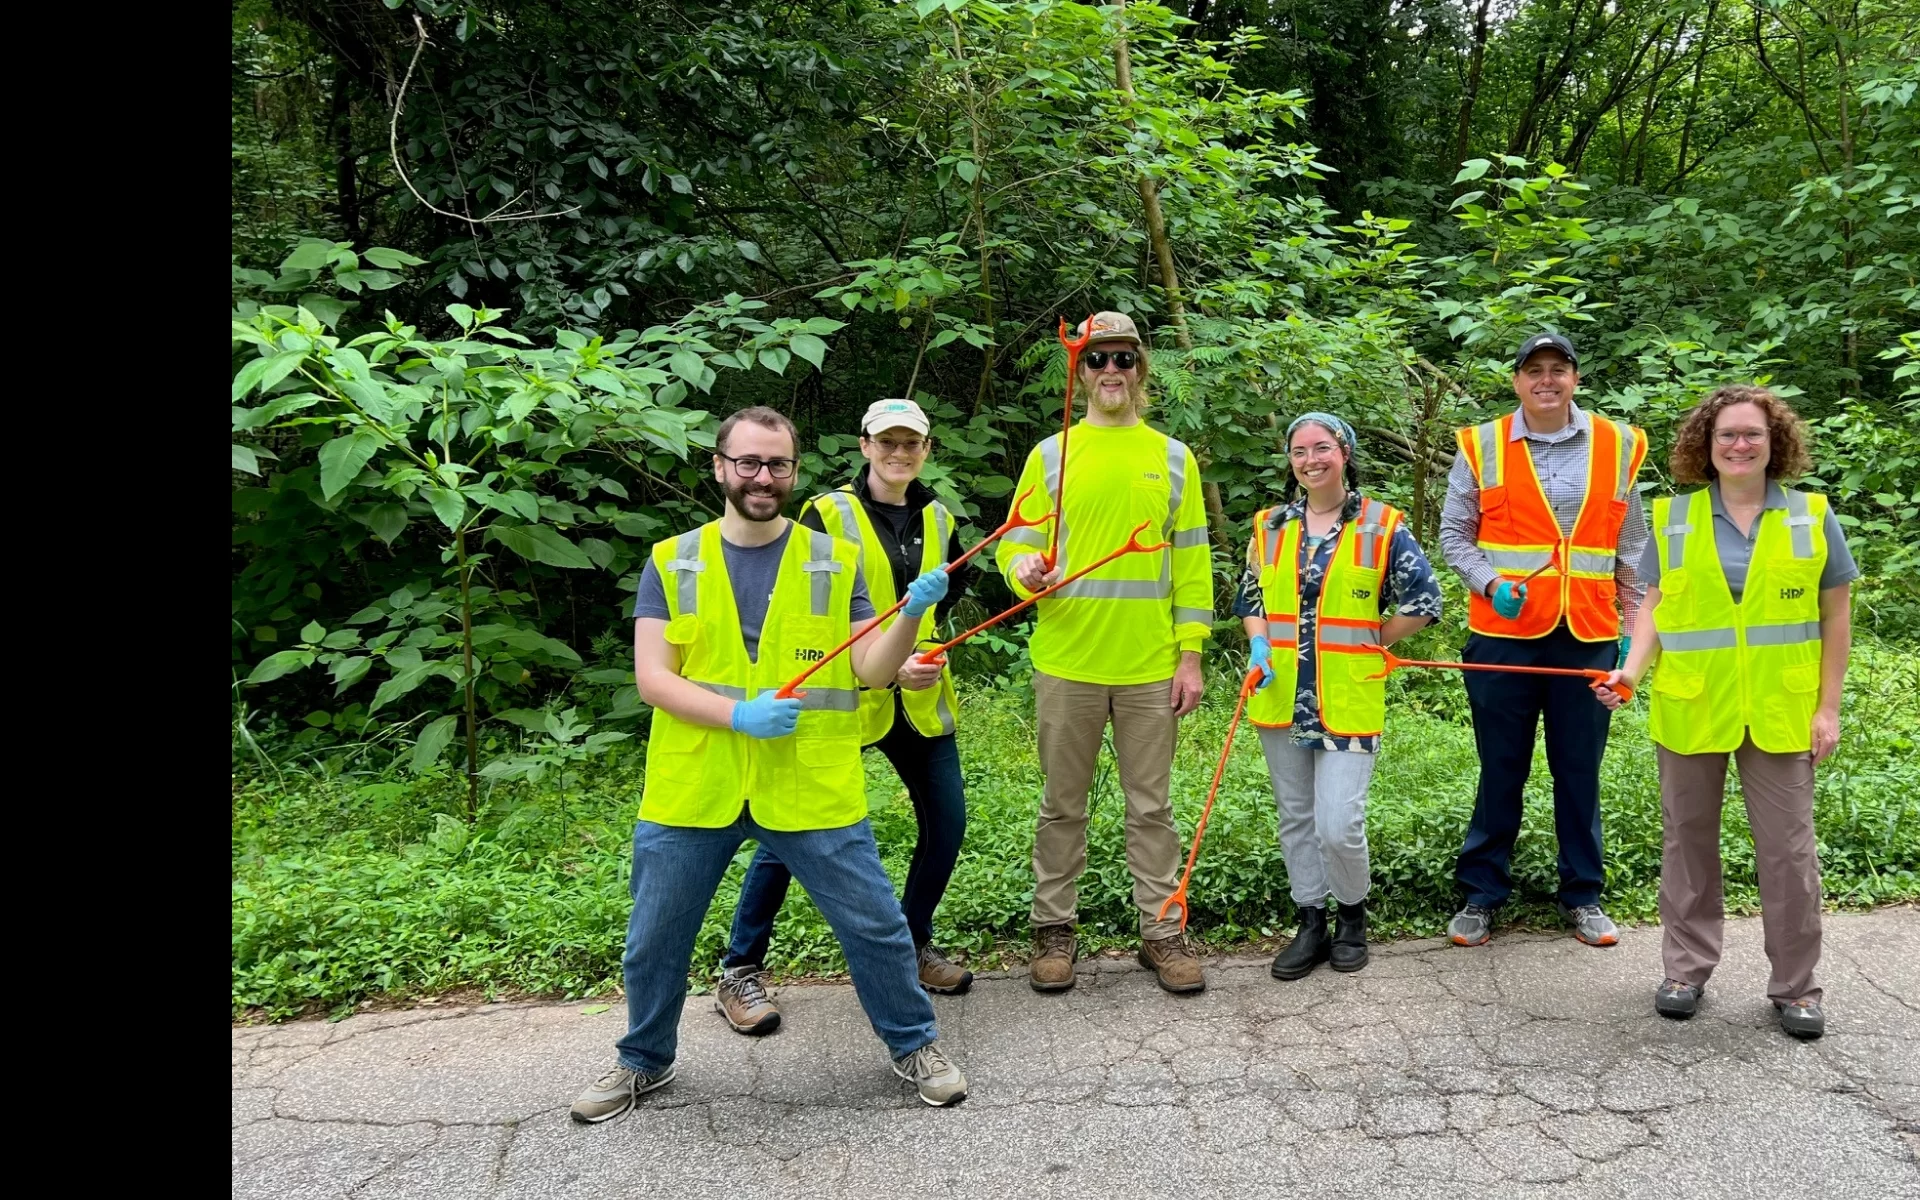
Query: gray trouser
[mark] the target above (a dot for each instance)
(1322, 797)
(1779, 794)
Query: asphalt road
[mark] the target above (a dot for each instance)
(1534, 1067)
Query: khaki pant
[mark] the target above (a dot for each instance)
(1072, 718)
(1779, 794)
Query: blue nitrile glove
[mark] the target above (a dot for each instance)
(1626, 647)
(1261, 657)
(766, 716)
(926, 591)
(1508, 598)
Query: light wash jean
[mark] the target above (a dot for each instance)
(1322, 798)
(675, 873)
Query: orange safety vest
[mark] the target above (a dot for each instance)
(1520, 534)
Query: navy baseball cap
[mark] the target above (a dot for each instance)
(1544, 341)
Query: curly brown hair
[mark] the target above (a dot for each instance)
(1787, 456)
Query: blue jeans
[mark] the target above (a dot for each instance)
(676, 871)
(1506, 710)
(930, 769)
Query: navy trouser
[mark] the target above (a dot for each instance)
(930, 769)
(1506, 711)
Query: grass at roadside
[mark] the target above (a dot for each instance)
(350, 887)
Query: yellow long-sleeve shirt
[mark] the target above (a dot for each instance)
(1128, 621)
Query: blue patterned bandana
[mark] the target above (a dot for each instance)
(1341, 431)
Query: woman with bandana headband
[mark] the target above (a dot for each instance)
(1328, 572)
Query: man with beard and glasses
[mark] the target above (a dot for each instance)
(725, 615)
(1120, 646)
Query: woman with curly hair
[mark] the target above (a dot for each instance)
(1746, 611)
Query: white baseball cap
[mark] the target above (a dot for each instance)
(894, 414)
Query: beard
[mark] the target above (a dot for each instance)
(758, 501)
(1132, 401)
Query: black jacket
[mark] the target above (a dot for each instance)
(904, 554)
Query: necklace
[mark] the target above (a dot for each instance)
(1326, 512)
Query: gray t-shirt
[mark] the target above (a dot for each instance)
(1736, 546)
(752, 571)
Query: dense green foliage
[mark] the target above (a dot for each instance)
(353, 886)
(499, 270)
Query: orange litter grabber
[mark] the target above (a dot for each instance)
(1553, 560)
(1014, 521)
(1598, 678)
(1133, 546)
(1074, 347)
(1200, 830)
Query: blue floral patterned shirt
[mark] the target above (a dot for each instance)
(1410, 590)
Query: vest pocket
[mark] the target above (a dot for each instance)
(1493, 501)
(1801, 677)
(1679, 682)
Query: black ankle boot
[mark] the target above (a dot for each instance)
(1309, 947)
(1349, 952)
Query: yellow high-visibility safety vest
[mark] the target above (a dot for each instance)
(1727, 669)
(1127, 622)
(701, 777)
(1351, 704)
(931, 710)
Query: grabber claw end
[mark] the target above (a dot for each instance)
(1179, 898)
(1388, 660)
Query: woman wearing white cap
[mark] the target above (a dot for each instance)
(902, 531)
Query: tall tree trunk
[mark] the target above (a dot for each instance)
(985, 391)
(1463, 133)
(1169, 274)
(1693, 95)
(345, 167)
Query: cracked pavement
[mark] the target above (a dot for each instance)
(1534, 1067)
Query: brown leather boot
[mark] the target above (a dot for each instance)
(1173, 963)
(1054, 950)
(741, 997)
(937, 974)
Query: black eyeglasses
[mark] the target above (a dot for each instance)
(747, 468)
(1124, 359)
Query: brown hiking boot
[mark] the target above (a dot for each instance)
(1054, 949)
(937, 974)
(1173, 963)
(741, 997)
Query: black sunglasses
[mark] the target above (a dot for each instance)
(1124, 359)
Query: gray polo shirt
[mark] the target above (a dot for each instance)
(1736, 546)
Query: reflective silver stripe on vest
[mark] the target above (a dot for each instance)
(1116, 589)
(1024, 536)
(822, 567)
(942, 534)
(1346, 635)
(1371, 514)
(1799, 525)
(1791, 634)
(1629, 441)
(943, 710)
(686, 572)
(1596, 562)
(1518, 560)
(1676, 533)
(1283, 629)
(1050, 461)
(1176, 481)
(849, 520)
(1183, 538)
(720, 689)
(1489, 435)
(1196, 616)
(822, 699)
(1699, 639)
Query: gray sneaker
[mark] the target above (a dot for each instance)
(937, 1076)
(1471, 926)
(1677, 1000)
(614, 1092)
(1590, 925)
(1802, 1018)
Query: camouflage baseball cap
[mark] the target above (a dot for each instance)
(1112, 327)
